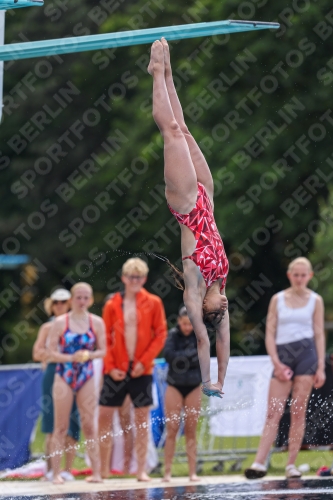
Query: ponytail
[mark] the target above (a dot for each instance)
(176, 273)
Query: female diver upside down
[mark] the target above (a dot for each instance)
(189, 192)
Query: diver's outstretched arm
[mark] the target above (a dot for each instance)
(223, 347)
(193, 303)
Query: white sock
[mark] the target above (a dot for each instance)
(257, 466)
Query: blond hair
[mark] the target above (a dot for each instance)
(300, 260)
(83, 284)
(135, 265)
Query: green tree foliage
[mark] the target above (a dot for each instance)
(322, 261)
(82, 160)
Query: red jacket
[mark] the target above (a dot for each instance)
(151, 332)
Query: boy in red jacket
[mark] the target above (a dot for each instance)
(136, 332)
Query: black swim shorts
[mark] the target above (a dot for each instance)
(114, 392)
(300, 356)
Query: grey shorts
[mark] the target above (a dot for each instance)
(300, 356)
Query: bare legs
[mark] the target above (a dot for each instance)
(70, 450)
(168, 113)
(278, 395)
(192, 407)
(141, 417)
(126, 425)
(87, 401)
(63, 401)
(199, 162)
(174, 402)
(105, 422)
(300, 397)
(48, 439)
(181, 183)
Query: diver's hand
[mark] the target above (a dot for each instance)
(210, 389)
(224, 302)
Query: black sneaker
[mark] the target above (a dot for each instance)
(254, 473)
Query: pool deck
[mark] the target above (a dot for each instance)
(32, 488)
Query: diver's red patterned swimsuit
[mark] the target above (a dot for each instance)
(209, 254)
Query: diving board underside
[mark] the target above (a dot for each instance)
(17, 4)
(59, 46)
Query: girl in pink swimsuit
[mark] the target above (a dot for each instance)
(189, 193)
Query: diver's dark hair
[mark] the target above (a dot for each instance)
(212, 319)
(176, 273)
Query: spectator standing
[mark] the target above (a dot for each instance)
(183, 392)
(76, 338)
(295, 341)
(135, 332)
(55, 305)
(125, 421)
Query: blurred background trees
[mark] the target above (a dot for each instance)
(82, 162)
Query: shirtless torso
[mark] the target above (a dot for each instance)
(130, 321)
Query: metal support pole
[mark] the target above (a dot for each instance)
(2, 41)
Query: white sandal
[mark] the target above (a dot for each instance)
(292, 471)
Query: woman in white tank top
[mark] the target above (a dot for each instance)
(295, 340)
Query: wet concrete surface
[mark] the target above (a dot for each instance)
(291, 489)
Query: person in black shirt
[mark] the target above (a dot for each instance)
(183, 391)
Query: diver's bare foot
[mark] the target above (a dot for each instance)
(194, 477)
(166, 478)
(156, 58)
(58, 480)
(167, 62)
(95, 478)
(143, 477)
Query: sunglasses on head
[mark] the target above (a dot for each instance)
(55, 302)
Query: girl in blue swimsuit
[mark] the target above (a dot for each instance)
(77, 374)
(76, 339)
